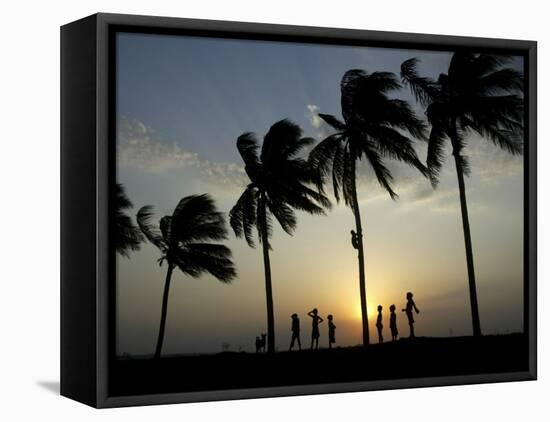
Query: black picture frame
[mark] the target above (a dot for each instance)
(87, 180)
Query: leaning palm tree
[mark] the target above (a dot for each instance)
(478, 94)
(127, 235)
(184, 241)
(375, 127)
(280, 182)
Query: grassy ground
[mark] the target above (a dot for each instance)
(420, 357)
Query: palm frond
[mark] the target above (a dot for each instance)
(503, 80)
(436, 153)
(151, 233)
(281, 137)
(363, 94)
(424, 90)
(299, 197)
(284, 214)
(382, 82)
(477, 94)
(497, 108)
(298, 170)
(348, 87)
(398, 113)
(507, 139)
(121, 199)
(198, 258)
(165, 225)
(483, 64)
(242, 216)
(460, 67)
(196, 219)
(338, 170)
(280, 184)
(127, 235)
(262, 213)
(459, 143)
(333, 122)
(297, 147)
(383, 174)
(396, 146)
(348, 177)
(248, 147)
(321, 158)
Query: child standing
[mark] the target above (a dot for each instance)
(393, 323)
(379, 325)
(295, 332)
(409, 311)
(315, 327)
(331, 332)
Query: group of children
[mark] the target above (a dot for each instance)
(315, 334)
(316, 320)
(393, 319)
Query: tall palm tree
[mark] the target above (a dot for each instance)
(477, 94)
(127, 235)
(184, 241)
(375, 127)
(279, 184)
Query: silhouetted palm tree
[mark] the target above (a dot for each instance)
(184, 241)
(127, 234)
(375, 127)
(279, 184)
(478, 94)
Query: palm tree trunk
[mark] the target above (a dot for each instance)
(361, 257)
(164, 311)
(267, 269)
(467, 239)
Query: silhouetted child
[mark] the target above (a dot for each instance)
(393, 323)
(409, 311)
(331, 332)
(295, 332)
(379, 325)
(315, 327)
(354, 239)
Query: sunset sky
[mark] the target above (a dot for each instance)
(181, 104)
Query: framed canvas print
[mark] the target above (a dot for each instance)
(254, 210)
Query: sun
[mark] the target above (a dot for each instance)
(372, 311)
(357, 311)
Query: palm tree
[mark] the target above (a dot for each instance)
(184, 241)
(478, 94)
(279, 181)
(375, 127)
(127, 234)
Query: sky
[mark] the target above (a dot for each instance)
(181, 104)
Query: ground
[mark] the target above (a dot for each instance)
(406, 358)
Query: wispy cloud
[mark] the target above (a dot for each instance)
(141, 147)
(322, 129)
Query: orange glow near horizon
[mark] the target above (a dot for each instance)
(355, 313)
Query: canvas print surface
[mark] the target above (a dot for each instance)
(297, 213)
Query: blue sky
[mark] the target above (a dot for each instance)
(216, 89)
(183, 101)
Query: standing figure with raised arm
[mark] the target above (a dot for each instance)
(409, 311)
(315, 327)
(295, 332)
